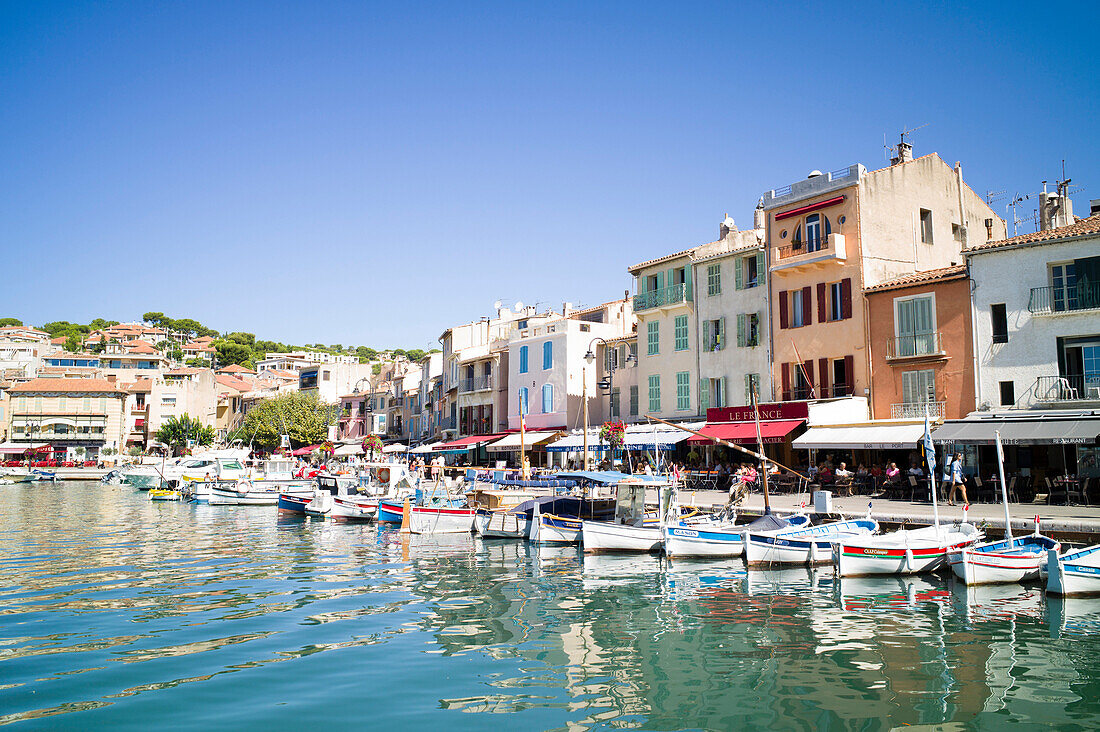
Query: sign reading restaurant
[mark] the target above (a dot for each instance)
(779, 410)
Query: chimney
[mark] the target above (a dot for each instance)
(989, 229)
(726, 227)
(758, 217)
(904, 153)
(1094, 207)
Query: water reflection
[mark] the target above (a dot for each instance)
(112, 608)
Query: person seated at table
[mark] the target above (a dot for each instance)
(824, 473)
(916, 471)
(862, 470)
(842, 471)
(748, 475)
(893, 473)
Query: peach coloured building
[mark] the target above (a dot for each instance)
(921, 343)
(833, 235)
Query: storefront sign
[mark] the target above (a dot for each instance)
(779, 410)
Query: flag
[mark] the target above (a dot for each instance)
(927, 447)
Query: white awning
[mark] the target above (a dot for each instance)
(637, 437)
(395, 447)
(885, 436)
(426, 448)
(18, 448)
(510, 442)
(348, 450)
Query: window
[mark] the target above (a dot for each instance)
(748, 330)
(841, 377)
(747, 271)
(1008, 393)
(714, 334)
(681, 332)
(61, 402)
(797, 309)
(679, 276)
(523, 359)
(654, 282)
(585, 327)
(654, 393)
(1063, 282)
(652, 338)
(522, 325)
(803, 387)
(835, 304)
(547, 398)
(752, 388)
(926, 226)
(632, 349)
(813, 232)
(918, 387)
(683, 390)
(325, 375)
(999, 315)
(714, 279)
(915, 320)
(168, 401)
(522, 401)
(634, 400)
(615, 411)
(547, 355)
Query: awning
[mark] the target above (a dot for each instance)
(650, 440)
(395, 447)
(510, 442)
(1039, 430)
(575, 443)
(18, 448)
(637, 437)
(885, 436)
(744, 433)
(348, 450)
(464, 444)
(304, 450)
(425, 448)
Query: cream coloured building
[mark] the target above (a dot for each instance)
(70, 414)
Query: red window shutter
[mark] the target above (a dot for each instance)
(850, 374)
(846, 298)
(821, 317)
(782, 310)
(807, 305)
(785, 369)
(823, 374)
(808, 372)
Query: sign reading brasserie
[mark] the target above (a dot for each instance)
(781, 410)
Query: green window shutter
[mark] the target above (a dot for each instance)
(707, 339)
(721, 332)
(738, 275)
(660, 280)
(740, 330)
(687, 282)
(722, 392)
(704, 395)
(759, 268)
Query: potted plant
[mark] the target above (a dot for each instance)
(614, 434)
(371, 445)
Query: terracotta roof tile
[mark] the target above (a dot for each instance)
(956, 272)
(235, 368)
(185, 371)
(1084, 227)
(650, 262)
(58, 385)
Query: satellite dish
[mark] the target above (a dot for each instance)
(496, 305)
(519, 305)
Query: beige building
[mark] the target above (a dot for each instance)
(68, 414)
(832, 235)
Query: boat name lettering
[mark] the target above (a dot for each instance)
(876, 552)
(685, 532)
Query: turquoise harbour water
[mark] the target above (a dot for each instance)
(119, 613)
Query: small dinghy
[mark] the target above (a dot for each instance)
(803, 545)
(1075, 572)
(1019, 559)
(721, 539)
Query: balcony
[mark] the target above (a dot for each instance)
(916, 410)
(478, 383)
(1051, 300)
(448, 423)
(810, 253)
(663, 298)
(1070, 388)
(915, 346)
(139, 409)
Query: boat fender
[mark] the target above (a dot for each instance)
(908, 558)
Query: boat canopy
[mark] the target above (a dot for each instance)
(510, 442)
(607, 477)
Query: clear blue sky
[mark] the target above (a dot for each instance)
(370, 173)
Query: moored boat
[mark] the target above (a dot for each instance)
(1010, 560)
(441, 520)
(1075, 572)
(906, 551)
(803, 545)
(726, 539)
(501, 524)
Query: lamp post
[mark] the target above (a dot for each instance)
(370, 402)
(608, 383)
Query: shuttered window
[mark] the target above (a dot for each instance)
(652, 338)
(547, 398)
(918, 387)
(714, 279)
(916, 325)
(655, 393)
(683, 390)
(681, 332)
(523, 359)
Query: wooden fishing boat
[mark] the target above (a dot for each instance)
(1075, 572)
(441, 520)
(720, 539)
(501, 524)
(803, 545)
(1010, 560)
(165, 494)
(632, 528)
(906, 551)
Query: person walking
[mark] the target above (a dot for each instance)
(957, 483)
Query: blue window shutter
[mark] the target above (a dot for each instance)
(547, 355)
(523, 401)
(523, 359)
(547, 398)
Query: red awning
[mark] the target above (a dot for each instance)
(468, 443)
(304, 450)
(744, 433)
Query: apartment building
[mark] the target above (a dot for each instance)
(618, 372)
(330, 381)
(921, 341)
(835, 234)
(68, 414)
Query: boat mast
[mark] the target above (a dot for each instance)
(763, 459)
(584, 409)
(1004, 488)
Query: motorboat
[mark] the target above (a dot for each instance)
(632, 528)
(808, 545)
(248, 493)
(721, 537)
(1076, 572)
(906, 551)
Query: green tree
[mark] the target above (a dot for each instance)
(199, 363)
(176, 431)
(303, 417)
(100, 323)
(415, 354)
(232, 352)
(175, 352)
(153, 318)
(365, 354)
(72, 343)
(247, 339)
(6, 322)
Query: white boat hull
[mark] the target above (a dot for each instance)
(501, 525)
(426, 520)
(1074, 573)
(699, 541)
(604, 536)
(810, 545)
(982, 568)
(556, 530)
(903, 552)
(347, 509)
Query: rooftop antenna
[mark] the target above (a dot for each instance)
(991, 197)
(894, 152)
(1016, 200)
